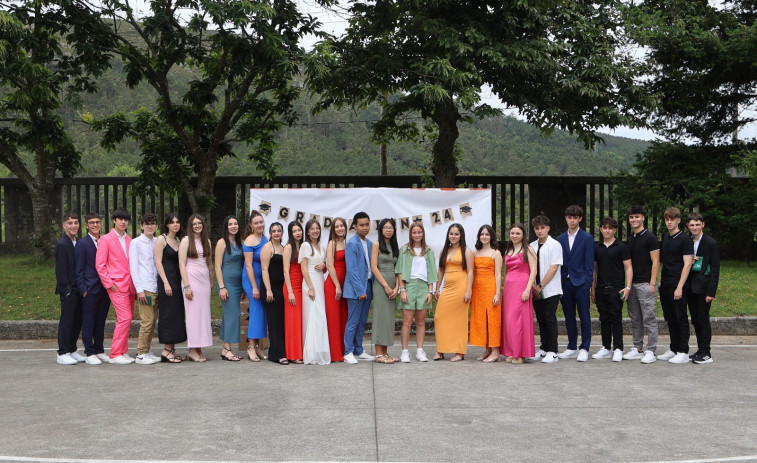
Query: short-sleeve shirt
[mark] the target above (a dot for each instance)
(674, 247)
(609, 259)
(550, 254)
(640, 245)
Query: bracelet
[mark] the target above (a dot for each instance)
(223, 287)
(627, 288)
(431, 292)
(401, 290)
(187, 287)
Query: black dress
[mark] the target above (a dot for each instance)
(274, 311)
(171, 326)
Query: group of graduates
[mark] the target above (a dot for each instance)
(313, 303)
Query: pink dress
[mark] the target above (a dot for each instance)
(517, 316)
(197, 311)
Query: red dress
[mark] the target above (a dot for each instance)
(293, 314)
(336, 311)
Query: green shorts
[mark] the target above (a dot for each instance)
(417, 290)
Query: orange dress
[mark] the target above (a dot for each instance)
(451, 318)
(485, 318)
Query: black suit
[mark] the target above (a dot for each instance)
(702, 284)
(96, 303)
(69, 326)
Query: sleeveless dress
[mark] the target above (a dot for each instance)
(293, 314)
(315, 347)
(232, 267)
(384, 309)
(257, 329)
(451, 317)
(274, 311)
(197, 311)
(485, 318)
(517, 316)
(171, 323)
(336, 311)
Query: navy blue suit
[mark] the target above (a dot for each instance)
(357, 282)
(576, 273)
(96, 302)
(70, 322)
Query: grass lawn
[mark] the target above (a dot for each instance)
(27, 287)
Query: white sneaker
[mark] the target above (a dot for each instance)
(603, 354)
(568, 354)
(538, 355)
(667, 355)
(583, 355)
(550, 357)
(120, 360)
(153, 356)
(66, 359)
(405, 356)
(145, 359)
(649, 357)
(128, 357)
(680, 357)
(633, 354)
(365, 356)
(105, 358)
(93, 360)
(350, 358)
(77, 356)
(617, 355)
(420, 355)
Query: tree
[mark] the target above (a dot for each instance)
(560, 63)
(240, 57)
(37, 71)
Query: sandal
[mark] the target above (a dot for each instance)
(170, 357)
(250, 357)
(438, 356)
(229, 355)
(484, 356)
(491, 359)
(199, 359)
(457, 358)
(297, 362)
(283, 361)
(383, 359)
(259, 352)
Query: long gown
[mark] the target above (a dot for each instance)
(171, 320)
(231, 267)
(197, 311)
(274, 311)
(384, 309)
(315, 349)
(451, 318)
(293, 314)
(336, 311)
(517, 316)
(485, 318)
(258, 327)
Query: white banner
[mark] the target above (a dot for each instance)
(436, 208)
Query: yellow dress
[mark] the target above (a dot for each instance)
(451, 318)
(485, 318)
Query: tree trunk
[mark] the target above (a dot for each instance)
(444, 162)
(44, 230)
(383, 160)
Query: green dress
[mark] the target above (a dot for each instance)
(384, 309)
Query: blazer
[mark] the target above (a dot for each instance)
(112, 264)
(65, 270)
(578, 263)
(701, 282)
(86, 274)
(356, 281)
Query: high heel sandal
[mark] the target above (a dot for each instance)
(259, 352)
(171, 357)
(250, 357)
(229, 355)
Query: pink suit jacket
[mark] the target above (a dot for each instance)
(112, 264)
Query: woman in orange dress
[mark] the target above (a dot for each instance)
(453, 295)
(485, 313)
(293, 288)
(336, 305)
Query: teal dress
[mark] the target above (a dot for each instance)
(231, 268)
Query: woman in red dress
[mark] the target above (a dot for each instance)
(293, 288)
(336, 305)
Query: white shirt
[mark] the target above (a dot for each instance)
(696, 243)
(572, 239)
(142, 264)
(550, 254)
(122, 240)
(419, 270)
(94, 239)
(367, 259)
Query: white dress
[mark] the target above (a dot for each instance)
(315, 346)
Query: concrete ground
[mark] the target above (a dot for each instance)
(597, 411)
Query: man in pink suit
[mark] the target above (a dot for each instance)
(112, 265)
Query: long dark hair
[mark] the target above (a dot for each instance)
(169, 218)
(392, 241)
(270, 229)
(237, 235)
(293, 242)
(447, 244)
(306, 235)
(492, 241)
(523, 244)
(332, 235)
(249, 231)
(192, 250)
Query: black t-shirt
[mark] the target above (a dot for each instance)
(671, 257)
(609, 259)
(640, 246)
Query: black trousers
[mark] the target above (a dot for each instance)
(69, 326)
(610, 307)
(700, 318)
(545, 310)
(675, 315)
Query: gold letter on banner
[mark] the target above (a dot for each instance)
(447, 213)
(436, 218)
(327, 222)
(404, 223)
(466, 210)
(316, 217)
(283, 213)
(299, 216)
(417, 218)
